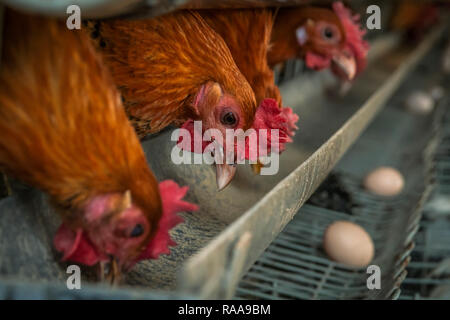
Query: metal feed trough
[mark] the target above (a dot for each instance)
(220, 242)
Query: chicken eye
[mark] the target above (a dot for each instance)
(328, 33)
(228, 119)
(137, 231)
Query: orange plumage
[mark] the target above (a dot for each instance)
(247, 34)
(160, 65)
(175, 69)
(322, 37)
(63, 127)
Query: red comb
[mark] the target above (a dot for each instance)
(354, 34)
(171, 196)
(269, 116)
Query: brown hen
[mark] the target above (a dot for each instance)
(247, 33)
(175, 69)
(322, 37)
(163, 66)
(64, 131)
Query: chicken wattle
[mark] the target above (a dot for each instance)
(268, 117)
(77, 247)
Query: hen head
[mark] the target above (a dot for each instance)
(331, 39)
(271, 129)
(118, 231)
(219, 112)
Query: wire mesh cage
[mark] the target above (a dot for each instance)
(295, 265)
(429, 270)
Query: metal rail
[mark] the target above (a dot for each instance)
(141, 8)
(97, 9)
(88, 8)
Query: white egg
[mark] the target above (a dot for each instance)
(348, 243)
(437, 93)
(384, 181)
(420, 102)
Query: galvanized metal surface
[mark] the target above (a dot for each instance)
(88, 8)
(19, 289)
(248, 214)
(429, 270)
(140, 8)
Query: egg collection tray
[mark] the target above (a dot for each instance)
(220, 242)
(429, 271)
(295, 265)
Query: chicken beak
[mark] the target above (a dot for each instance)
(256, 167)
(345, 65)
(224, 171)
(224, 174)
(113, 275)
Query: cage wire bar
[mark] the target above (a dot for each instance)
(429, 271)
